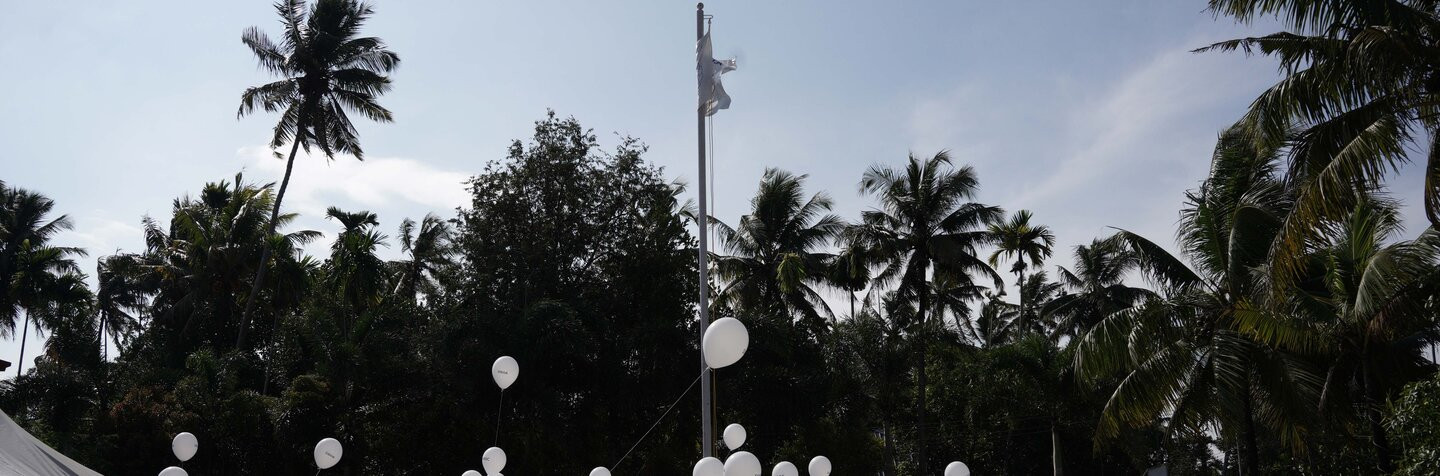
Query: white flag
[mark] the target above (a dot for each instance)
(712, 93)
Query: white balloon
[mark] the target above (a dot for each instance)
(725, 342)
(742, 463)
(709, 466)
(785, 468)
(471, 473)
(819, 466)
(599, 471)
(734, 436)
(505, 370)
(184, 446)
(328, 452)
(493, 460)
(957, 468)
(174, 471)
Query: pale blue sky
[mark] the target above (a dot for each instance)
(1091, 114)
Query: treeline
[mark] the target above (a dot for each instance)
(579, 262)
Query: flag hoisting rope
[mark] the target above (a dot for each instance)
(711, 98)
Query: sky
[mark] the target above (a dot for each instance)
(1090, 114)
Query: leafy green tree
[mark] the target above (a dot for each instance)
(57, 397)
(328, 71)
(1414, 423)
(776, 259)
(1017, 238)
(1015, 408)
(577, 264)
(925, 223)
(871, 350)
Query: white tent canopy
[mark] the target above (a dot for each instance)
(21, 453)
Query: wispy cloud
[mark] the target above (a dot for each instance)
(1092, 153)
(377, 182)
(99, 234)
(394, 188)
(1159, 113)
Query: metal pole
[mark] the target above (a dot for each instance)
(707, 442)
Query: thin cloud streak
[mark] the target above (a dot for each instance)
(1084, 161)
(317, 182)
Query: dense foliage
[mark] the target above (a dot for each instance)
(579, 262)
(1414, 422)
(1286, 333)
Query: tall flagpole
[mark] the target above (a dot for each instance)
(707, 443)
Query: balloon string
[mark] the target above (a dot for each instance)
(498, 414)
(657, 422)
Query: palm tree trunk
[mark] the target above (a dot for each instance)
(265, 245)
(1249, 451)
(413, 278)
(24, 333)
(265, 384)
(1055, 450)
(921, 381)
(889, 450)
(1372, 413)
(1021, 292)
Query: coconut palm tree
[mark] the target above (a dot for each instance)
(46, 283)
(1363, 312)
(999, 322)
(850, 271)
(775, 261)
(1096, 287)
(25, 227)
(1040, 292)
(429, 248)
(357, 278)
(1359, 81)
(954, 293)
(203, 260)
(1018, 239)
(354, 272)
(327, 71)
(122, 291)
(994, 325)
(35, 276)
(1185, 355)
(925, 223)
